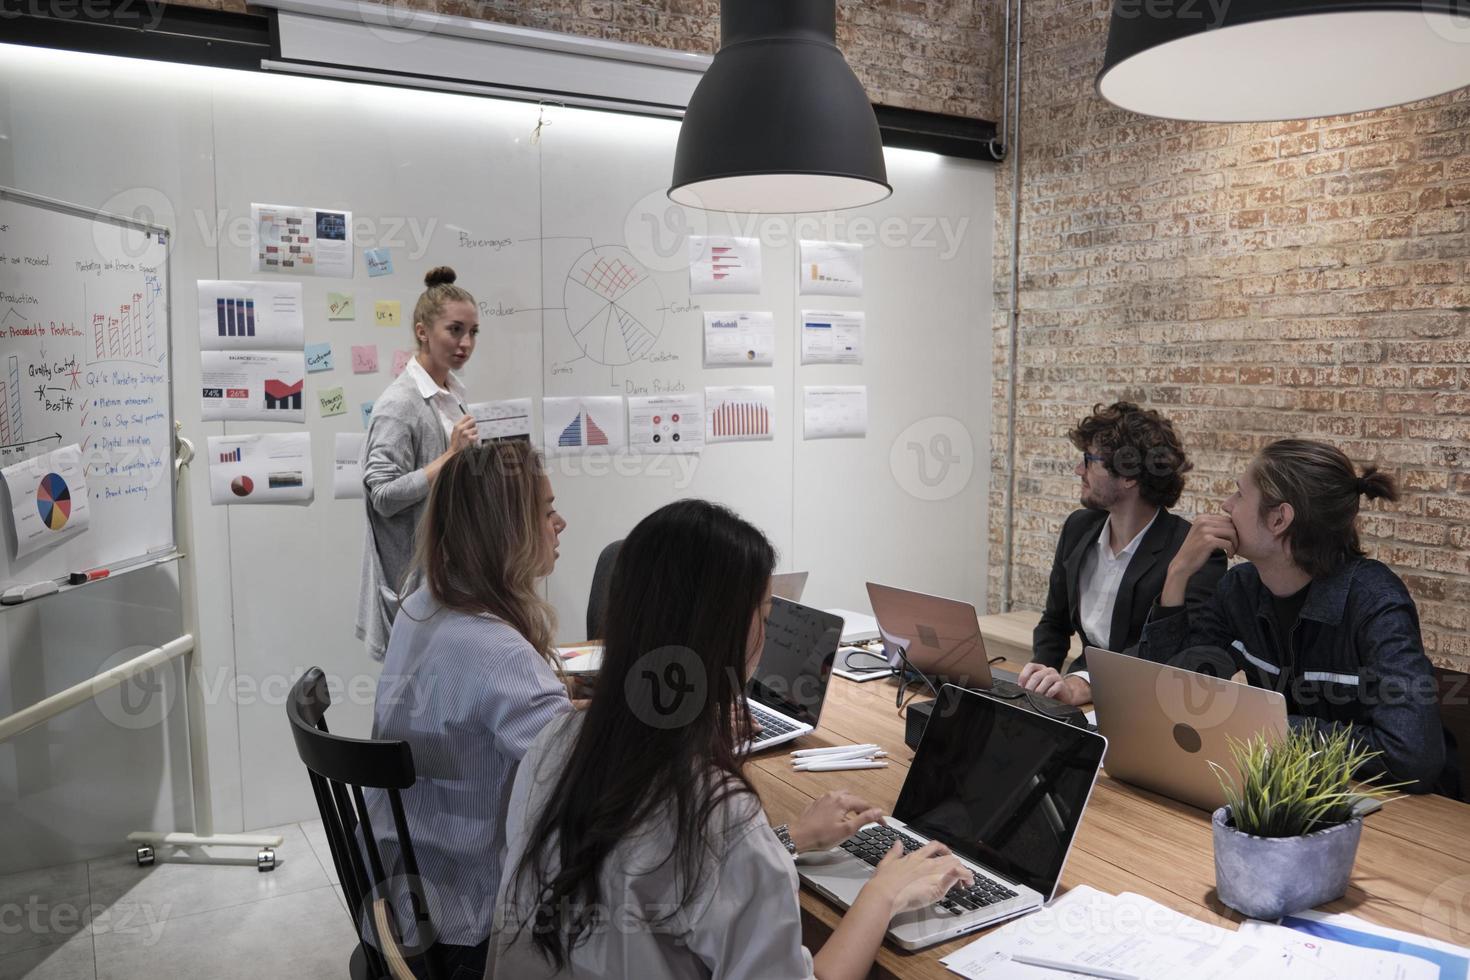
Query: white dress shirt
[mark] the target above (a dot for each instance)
(1101, 576)
(449, 402)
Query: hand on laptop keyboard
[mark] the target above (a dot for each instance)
(967, 892)
(909, 875)
(766, 725)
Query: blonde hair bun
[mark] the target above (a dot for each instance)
(440, 275)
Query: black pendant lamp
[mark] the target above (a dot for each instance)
(1259, 60)
(779, 123)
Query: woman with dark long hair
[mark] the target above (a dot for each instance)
(637, 846)
(470, 679)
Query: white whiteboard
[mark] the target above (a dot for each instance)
(84, 360)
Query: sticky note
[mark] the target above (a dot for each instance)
(340, 307)
(318, 357)
(365, 359)
(379, 261)
(388, 312)
(333, 402)
(400, 361)
(367, 413)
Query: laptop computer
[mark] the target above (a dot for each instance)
(786, 691)
(788, 585)
(1165, 725)
(1003, 788)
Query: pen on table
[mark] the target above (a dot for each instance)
(1086, 969)
(853, 755)
(838, 765)
(818, 753)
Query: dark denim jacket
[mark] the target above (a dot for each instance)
(1354, 658)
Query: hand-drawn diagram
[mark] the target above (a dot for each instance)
(613, 306)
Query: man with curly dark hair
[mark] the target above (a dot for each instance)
(1114, 553)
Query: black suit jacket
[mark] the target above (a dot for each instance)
(1142, 583)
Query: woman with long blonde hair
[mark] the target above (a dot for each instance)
(470, 679)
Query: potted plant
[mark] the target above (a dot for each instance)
(1288, 834)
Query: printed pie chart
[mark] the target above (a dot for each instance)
(241, 486)
(53, 500)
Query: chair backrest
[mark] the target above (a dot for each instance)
(340, 768)
(1454, 712)
(601, 579)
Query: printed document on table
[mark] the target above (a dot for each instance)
(300, 241)
(48, 499)
(724, 265)
(1126, 933)
(261, 385)
(666, 423)
(347, 465)
(831, 269)
(739, 339)
(835, 411)
(238, 315)
(1452, 960)
(831, 337)
(509, 418)
(1338, 960)
(260, 468)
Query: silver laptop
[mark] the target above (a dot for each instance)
(789, 585)
(938, 637)
(1004, 788)
(789, 684)
(1165, 725)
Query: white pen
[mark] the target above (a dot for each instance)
(839, 765)
(852, 753)
(806, 753)
(1086, 969)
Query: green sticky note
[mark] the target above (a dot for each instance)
(333, 402)
(339, 307)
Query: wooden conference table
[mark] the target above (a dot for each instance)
(1412, 870)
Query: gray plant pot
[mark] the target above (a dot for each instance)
(1268, 877)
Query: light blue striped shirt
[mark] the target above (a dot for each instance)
(469, 694)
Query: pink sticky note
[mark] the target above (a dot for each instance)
(400, 361)
(365, 359)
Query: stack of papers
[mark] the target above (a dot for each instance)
(1088, 933)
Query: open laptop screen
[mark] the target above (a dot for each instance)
(796, 662)
(1000, 785)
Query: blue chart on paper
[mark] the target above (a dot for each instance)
(1452, 966)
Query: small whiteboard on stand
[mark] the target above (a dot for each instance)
(84, 312)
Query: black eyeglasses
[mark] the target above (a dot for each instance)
(1092, 458)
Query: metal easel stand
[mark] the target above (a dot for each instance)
(204, 835)
(183, 647)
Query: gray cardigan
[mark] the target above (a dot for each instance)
(404, 435)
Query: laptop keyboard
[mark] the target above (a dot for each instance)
(872, 843)
(771, 725)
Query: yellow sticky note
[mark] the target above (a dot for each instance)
(333, 402)
(388, 312)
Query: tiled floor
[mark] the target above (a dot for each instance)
(109, 919)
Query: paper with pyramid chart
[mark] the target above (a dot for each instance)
(48, 499)
(593, 423)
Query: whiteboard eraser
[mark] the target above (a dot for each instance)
(24, 593)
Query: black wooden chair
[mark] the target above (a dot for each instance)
(340, 768)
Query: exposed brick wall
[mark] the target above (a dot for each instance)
(934, 55)
(1252, 282)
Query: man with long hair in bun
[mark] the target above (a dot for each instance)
(417, 424)
(1308, 614)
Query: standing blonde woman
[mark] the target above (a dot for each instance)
(417, 424)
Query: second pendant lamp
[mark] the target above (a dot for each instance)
(779, 123)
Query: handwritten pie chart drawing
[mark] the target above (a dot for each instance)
(614, 308)
(53, 500)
